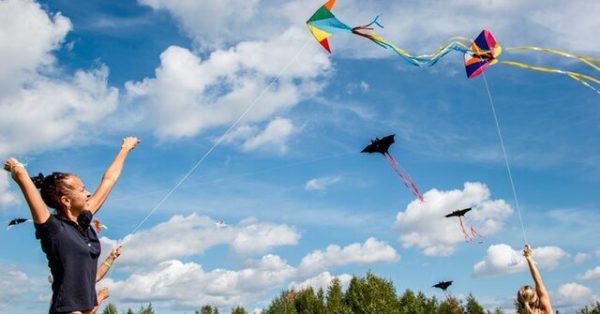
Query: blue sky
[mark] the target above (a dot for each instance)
(301, 204)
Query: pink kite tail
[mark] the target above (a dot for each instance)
(408, 182)
(462, 228)
(475, 233)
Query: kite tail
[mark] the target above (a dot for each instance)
(590, 61)
(408, 182)
(462, 228)
(475, 233)
(581, 78)
(424, 60)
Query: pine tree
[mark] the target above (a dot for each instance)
(335, 299)
(473, 307)
(593, 309)
(450, 306)
(238, 310)
(110, 309)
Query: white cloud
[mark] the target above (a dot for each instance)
(29, 36)
(423, 224)
(216, 21)
(372, 251)
(185, 286)
(13, 284)
(581, 257)
(574, 295)
(320, 281)
(7, 197)
(320, 184)
(274, 136)
(39, 107)
(189, 95)
(502, 259)
(184, 236)
(591, 274)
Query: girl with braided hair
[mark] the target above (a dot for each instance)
(71, 245)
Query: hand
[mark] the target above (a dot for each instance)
(12, 165)
(130, 142)
(527, 251)
(116, 252)
(103, 295)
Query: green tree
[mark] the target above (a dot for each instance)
(372, 295)
(110, 309)
(409, 303)
(129, 311)
(450, 306)
(307, 302)
(238, 310)
(147, 310)
(283, 304)
(335, 299)
(473, 307)
(207, 309)
(496, 311)
(592, 309)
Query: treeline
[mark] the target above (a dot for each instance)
(365, 295)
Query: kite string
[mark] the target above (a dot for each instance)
(512, 184)
(254, 102)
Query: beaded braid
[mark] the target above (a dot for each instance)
(52, 187)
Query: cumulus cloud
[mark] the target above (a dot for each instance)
(320, 184)
(320, 281)
(183, 236)
(581, 257)
(179, 285)
(13, 284)
(39, 107)
(372, 251)
(502, 259)
(591, 274)
(574, 295)
(423, 224)
(7, 197)
(252, 79)
(274, 137)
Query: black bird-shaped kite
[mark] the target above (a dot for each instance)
(382, 146)
(443, 285)
(16, 221)
(460, 214)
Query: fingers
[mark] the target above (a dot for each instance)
(130, 142)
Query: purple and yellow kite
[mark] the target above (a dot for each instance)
(479, 53)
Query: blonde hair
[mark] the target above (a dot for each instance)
(527, 300)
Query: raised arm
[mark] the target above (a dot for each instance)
(105, 266)
(111, 175)
(39, 210)
(539, 284)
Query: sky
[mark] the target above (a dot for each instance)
(246, 120)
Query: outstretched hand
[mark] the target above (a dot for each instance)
(116, 252)
(12, 164)
(527, 251)
(130, 142)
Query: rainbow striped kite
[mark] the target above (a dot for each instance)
(479, 53)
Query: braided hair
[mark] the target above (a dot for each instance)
(52, 187)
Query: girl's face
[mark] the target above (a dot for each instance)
(76, 195)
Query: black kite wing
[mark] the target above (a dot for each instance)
(443, 285)
(379, 145)
(458, 213)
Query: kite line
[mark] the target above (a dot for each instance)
(510, 177)
(233, 125)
